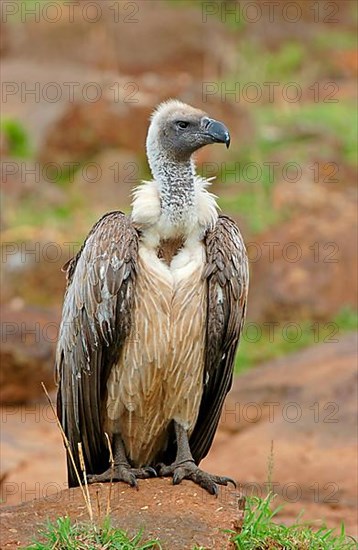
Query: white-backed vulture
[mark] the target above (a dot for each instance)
(152, 315)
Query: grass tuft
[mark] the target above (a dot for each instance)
(259, 532)
(65, 535)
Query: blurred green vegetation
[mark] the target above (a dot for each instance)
(255, 204)
(33, 215)
(258, 64)
(25, 7)
(17, 140)
(262, 342)
(333, 126)
(303, 136)
(340, 39)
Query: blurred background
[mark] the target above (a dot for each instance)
(79, 81)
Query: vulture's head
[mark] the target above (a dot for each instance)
(178, 130)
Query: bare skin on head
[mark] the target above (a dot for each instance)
(167, 299)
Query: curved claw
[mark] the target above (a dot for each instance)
(123, 472)
(232, 481)
(188, 470)
(178, 476)
(133, 482)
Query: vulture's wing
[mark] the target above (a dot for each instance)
(227, 276)
(96, 320)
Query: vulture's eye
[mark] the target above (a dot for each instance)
(182, 124)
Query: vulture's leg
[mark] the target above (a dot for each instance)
(122, 470)
(184, 466)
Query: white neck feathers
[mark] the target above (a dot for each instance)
(148, 214)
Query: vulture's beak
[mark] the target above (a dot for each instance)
(217, 131)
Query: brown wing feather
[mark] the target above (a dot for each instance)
(96, 320)
(227, 277)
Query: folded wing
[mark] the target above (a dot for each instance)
(96, 320)
(227, 276)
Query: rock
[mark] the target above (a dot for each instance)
(299, 268)
(85, 129)
(181, 516)
(322, 373)
(28, 337)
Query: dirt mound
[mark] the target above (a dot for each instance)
(179, 516)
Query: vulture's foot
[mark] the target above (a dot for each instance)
(187, 469)
(123, 472)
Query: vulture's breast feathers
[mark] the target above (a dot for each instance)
(160, 371)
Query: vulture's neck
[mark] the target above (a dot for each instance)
(176, 186)
(175, 204)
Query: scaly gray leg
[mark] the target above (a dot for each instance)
(184, 466)
(122, 470)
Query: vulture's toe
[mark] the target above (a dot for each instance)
(189, 470)
(123, 473)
